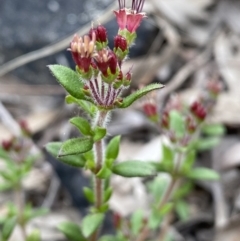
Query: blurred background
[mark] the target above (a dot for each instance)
(181, 44)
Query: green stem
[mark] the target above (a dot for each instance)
(99, 157)
(166, 197)
(20, 203)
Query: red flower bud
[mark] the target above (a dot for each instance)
(198, 110)
(120, 42)
(112, 62)
(100, 32)
(150, 109)
(7, 145)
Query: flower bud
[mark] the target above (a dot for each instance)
(198, 110)
(6, 145)
(150, 110)
(120, 42)
(128, 78)
(112, 62)
(101, 35)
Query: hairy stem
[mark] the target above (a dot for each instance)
(99, 155)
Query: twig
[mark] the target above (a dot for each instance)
(52, 48)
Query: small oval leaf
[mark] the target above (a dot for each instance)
(104, 172)
(89, 194)
(91, 222)
(34, 236)
(99, 133)
(72, 231)
(77, 160)
(83, 125)
(203, 173)
(69, 80)
(113, 148)
(76, 146)
(8, 227)
(134, 169)
(213, 129)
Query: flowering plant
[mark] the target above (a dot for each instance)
(96, 86)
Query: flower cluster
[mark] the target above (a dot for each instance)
(100, 67)
(190, 116)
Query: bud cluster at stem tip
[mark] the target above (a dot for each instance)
(100, 67)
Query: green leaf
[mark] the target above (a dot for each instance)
(154, 219)
(158, 186)
(99, 133)
(76, 146)
(113, 148)
(91, 222)
(138, 94)
(107, 194)
(108, 238)
(113, 238)
(72, 231)
(134, 169)
(182, 210)
(83, 125)
(8, 227)
(166, 209)
(203, 174)
(89, 157)
(183, 190)
(73, 160)
(104, 208)
(213, 129)
(188, 161)
(3, 154)
(36, 213)
(89, 194)
(136, 221)
(167, 162)
(69, 80)
(6, 186)
(34, 236)
(104, 172)
(177, 123)
(8, 175)
(168, 154)
(86, 105)
(207, 143)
